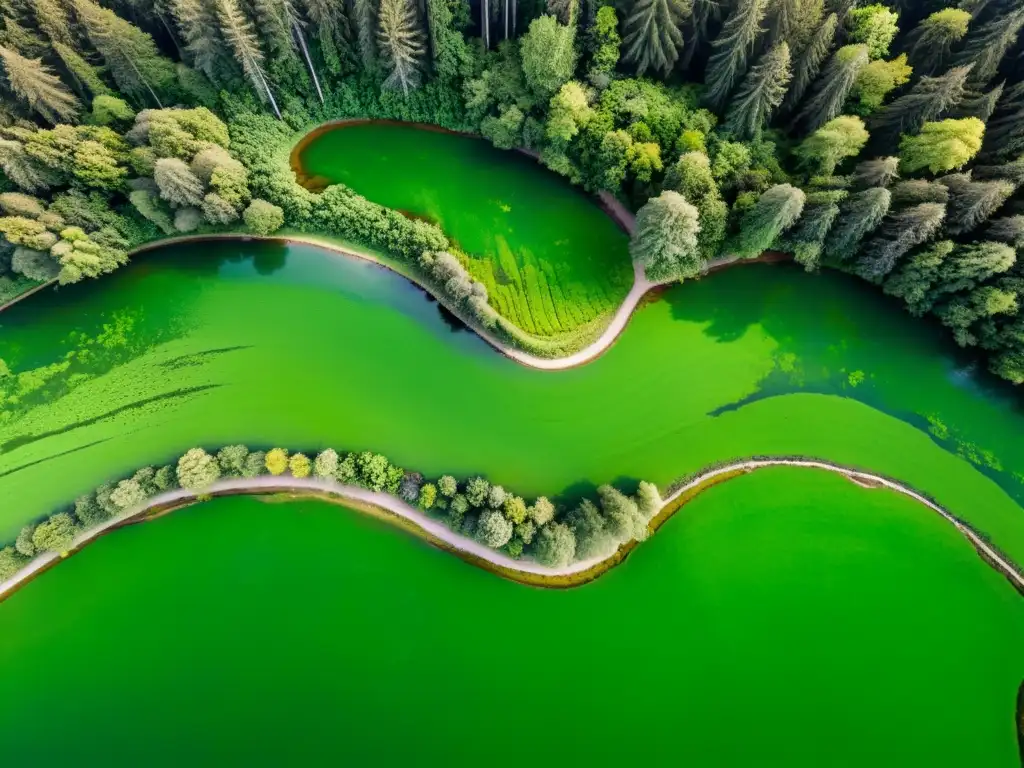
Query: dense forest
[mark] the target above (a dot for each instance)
(884, 141)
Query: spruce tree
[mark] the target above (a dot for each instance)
(333, 32)
(978, 104)
(198, 25)
(241, 39)
(732, 48)
(52, 20)
(762, 92)
(35, 84)
(972, 202)
(900, 232)
(701, 13)
(1004, 131)
(401, 44)
(652, 37)
(85, 77)
(833, 86)
(879, 172)
(807, 237)
(986, 46)
(1008, 229)
(809, 62)
(932, 40)
(130, 54)
(926, 101)
(859, 215)
(783, 17)
(364, 16)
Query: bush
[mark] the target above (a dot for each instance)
(197, 470)
(263, 218)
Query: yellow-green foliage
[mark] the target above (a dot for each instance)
(277, 461)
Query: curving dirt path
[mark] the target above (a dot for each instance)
(521, 570)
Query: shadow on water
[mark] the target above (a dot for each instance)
(19, 441)
(455, 325)
(822, 348)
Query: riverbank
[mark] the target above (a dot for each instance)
(524, 571)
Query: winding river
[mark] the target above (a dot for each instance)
(785, 618)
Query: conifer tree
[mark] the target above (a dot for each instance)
(701, 13)
(652, 35)
(197, 22)
(879, 172)
(807, 237)
(932, 40)
(24, 170)
(774, 212)
(732, 48)
(52, 20)
(401, 44)
(972, 202)
(364, 16)
(333, 32)
(86, 79)
(986, 46)
(782, 20)
(900, 232)
(833, 86)
(1004, 131)
(762, 92)
(978, 104)
(1008, 229)
(448, 49)
(859, 215)
(927, 100)
(130, 54)
(241, 39)
(44, 93)
(942, 146)
(282, 28)
(809, 62)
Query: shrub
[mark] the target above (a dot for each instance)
(263, 218)
(299, 465)
(197, 470)
(277, 461)
(55, 534)
(232, 460)
(428, 495)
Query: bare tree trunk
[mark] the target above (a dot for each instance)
(266, 89)
(144, 82)
(506, 19)
(301, 40)
(485, 17)
(515, 8)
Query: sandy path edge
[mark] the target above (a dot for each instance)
(437, 532)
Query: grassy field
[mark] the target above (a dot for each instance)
(552, 261)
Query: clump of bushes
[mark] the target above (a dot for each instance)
(474, 508)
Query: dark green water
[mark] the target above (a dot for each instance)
(785, 619)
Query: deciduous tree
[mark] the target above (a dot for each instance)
(665, 241)
(942, 146)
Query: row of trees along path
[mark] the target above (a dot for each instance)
(437, 531)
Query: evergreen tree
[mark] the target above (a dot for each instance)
(34, 83)
(807, 237)
(449, 52)
(808, 64)
(859, 215)
(972, 202)
(918, 191)
(932, 40)
(986, 46)
(879, 172)
(85, 77)
(331, 26)
(52, 20)
(130, 54)
(1004, 131)
(701, 13)
(665, 241)
(653, 38)
(899, 233)
(1008, 229)
(401, 43)
(926, 101)
(197, 22)
(833, 86)
(774, 212)
(24, 170)
(762, 92)
(912, 281)
(732, 48)
(282, 28)
(364, 16)
(241, 38)
(783, 18)
(978, 104)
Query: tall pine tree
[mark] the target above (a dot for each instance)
(732, 49)
(761, 93)
(653, 38)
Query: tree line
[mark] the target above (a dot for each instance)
(474, 508)
(882, 140)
